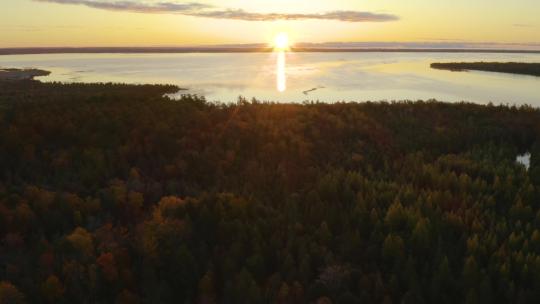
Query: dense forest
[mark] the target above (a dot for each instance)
(116, 194)
(523, 68)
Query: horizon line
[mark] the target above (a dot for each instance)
(421, 44)
(251, 48)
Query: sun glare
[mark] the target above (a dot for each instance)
(281, 42)
(280, 72)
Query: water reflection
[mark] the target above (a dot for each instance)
(281, 78)
(525, 160)
(289, 77)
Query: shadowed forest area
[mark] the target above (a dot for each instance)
(522, 68)
(115, 194)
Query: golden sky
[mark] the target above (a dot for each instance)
(42, 23)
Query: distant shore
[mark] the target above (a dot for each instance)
(21, 74)
(521, 68)
(172, 50)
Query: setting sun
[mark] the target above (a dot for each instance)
(281, 41)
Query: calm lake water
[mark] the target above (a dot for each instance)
(297, 77)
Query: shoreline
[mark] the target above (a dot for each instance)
(21, 74)
(515, 68)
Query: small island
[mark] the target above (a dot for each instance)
(21, 74)
(521, 68)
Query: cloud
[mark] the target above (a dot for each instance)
(135, 6)
(349, 16)
(196, 9)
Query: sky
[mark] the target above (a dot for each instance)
(76, 23)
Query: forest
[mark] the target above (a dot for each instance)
(522, 68)
(115, 193)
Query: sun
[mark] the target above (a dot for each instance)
(281, 42)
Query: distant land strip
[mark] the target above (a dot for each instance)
(172, 50)
(21, 74)
(521, 68)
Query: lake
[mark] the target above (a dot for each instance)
(297, 77)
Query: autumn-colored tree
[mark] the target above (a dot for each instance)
(108, 266)
(52, 289)
(9, 294)
(82, 241)
(207, 292)
(127, 297)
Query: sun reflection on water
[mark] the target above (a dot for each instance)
(281, 77)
